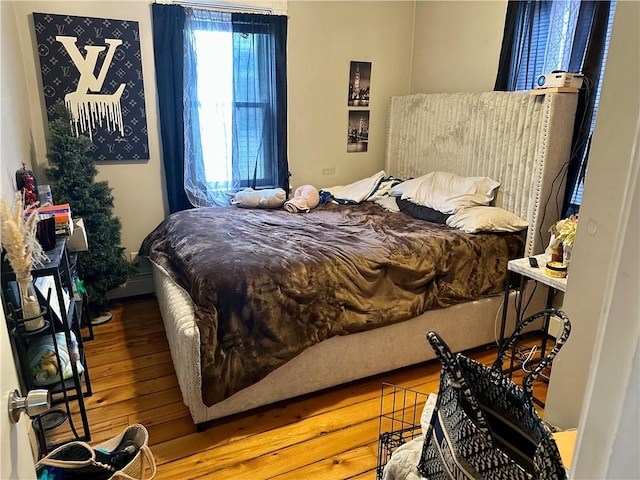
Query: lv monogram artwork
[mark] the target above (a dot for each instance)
(94, 66)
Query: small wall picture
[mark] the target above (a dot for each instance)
(358, 133)
(359, 84)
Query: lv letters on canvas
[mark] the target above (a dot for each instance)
(94, 66)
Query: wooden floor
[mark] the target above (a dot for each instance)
(329, 435)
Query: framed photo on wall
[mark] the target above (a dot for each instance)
(358, 131)
(359, 84)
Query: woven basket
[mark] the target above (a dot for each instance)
(80, 457)
(135, 469)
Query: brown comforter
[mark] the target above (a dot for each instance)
(267, 283)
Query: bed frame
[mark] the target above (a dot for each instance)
(519, 139)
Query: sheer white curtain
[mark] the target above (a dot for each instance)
(208, 107)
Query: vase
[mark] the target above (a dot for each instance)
(566, 254)
(554, 250)
(32, 315)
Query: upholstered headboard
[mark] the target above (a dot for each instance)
(521, 140)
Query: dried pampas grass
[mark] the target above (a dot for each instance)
(19, 237)
(22, 249)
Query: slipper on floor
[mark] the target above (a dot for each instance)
(102, 317)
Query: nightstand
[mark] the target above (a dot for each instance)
(523, 268)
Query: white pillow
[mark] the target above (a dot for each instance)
(447, 192)
(486, 219)
(267, 198)
(407, 189)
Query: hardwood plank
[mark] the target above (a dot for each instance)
(143, 388)
(283, 460)
(126, 378)
(368, 475)
(101, 370)
(133, 352)
(337, 467)
(340, 427)
(158, 420)
(169, 429)
(274, 442)
(133, 330)
(117, 405)
(330, 410)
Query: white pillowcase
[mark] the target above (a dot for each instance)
(447, 192)
(486, 219)
(266, 198)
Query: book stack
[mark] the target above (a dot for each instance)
(62, 215)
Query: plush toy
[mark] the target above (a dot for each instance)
(304, 199)
(267, 198)
(48, 364)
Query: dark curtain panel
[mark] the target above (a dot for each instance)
(593, 23)
(269, 55)
(505, 80)
(280, 24)
(523, 44)
(168, 45)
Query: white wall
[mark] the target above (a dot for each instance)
(592, 275)
(16, 459)
(14, 124)
(456, 47)
(613, 419)
(324, 37)
(623, 461)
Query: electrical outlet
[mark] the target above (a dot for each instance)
(329, 171)
(555, 326)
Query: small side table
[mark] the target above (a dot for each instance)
(522, 267)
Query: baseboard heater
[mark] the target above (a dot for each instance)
(141, 283)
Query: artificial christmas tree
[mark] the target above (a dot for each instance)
(72, 175)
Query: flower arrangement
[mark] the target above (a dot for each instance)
(564, 231)
(23, 251)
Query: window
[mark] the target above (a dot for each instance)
(214, 80)
(566, 35)
(234, 104)
(576, 193)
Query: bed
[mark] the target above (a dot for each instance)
(518, 139)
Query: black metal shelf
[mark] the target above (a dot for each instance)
(58, 301)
